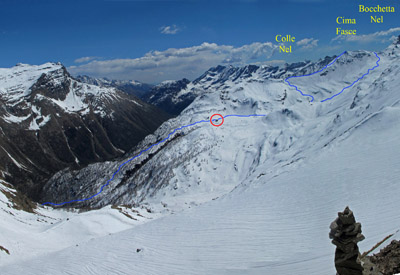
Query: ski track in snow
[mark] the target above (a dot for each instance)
(141, 152)
(205, 121)
(330, 64)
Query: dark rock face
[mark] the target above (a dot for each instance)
(165, 96)
(345, 234)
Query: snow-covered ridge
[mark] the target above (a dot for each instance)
(105, 82)
(166, 83)
(18, 83)
(131, 87)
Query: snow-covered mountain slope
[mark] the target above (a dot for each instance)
(131, 87)
(49, 121)
(319, 83)
(271, 224)
(210, 161)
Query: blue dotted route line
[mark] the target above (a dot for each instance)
(145, 150)
(326, 99)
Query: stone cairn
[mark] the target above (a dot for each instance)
(345, 234)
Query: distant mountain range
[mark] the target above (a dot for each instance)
(131, 87)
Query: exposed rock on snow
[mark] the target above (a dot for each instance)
(345, 234)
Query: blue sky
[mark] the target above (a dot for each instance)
(153, 41)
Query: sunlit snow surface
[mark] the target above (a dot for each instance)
(274, 217)
(28, 235)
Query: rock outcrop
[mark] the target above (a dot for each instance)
(386, 262)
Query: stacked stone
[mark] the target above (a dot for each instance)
(345, 234)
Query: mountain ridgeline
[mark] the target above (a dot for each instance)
(131, 87)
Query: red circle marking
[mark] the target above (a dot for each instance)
(216, 125)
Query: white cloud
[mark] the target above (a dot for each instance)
(85, 59)
(169, 29)
(156, 66)
(307, 43)
(381, 36)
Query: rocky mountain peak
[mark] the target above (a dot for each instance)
(53, 84)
